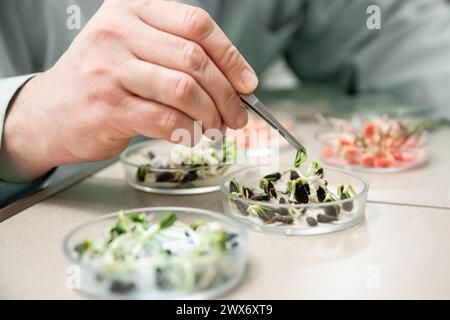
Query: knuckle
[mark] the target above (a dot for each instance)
(170, 121)
(194, 56)
(216, 121)
(199, 22)
(98, 70)
(184, 89)
(106, 33)
(231, 58)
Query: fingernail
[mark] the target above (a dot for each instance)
(249, 80)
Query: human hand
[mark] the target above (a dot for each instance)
(138, 67)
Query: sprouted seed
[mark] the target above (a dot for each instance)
(167, 249)
(288, 193)
(235, 187)
(344, 193)
(331, 210)
(247, 193)
(300, 158)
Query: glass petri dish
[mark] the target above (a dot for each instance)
(389, 155)
(196, 277)
(351, 211)
(177, 181)
(404, 158)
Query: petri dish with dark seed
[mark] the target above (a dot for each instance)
(160, 167)
(297, 201)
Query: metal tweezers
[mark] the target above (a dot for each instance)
(260, 109)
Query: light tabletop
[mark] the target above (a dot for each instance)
(400, 250)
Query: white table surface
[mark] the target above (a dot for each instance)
(398, 251)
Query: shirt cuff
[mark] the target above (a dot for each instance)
(8, 89)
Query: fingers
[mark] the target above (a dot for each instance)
(176, 53)
(171, 88)
(195, 24)
(158, 121)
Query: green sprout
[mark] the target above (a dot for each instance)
(300, 158)
(220, 239)
(83, 247)
(167, 220)
(421, 126)
(345, 191)
(273, 177)
(330, 197)
(258, 211)
(120, 227)
(197, 224)
(293, 212)
(235, 187)
(142, 172)
(317, 168)
(263, 184)
(139, 218)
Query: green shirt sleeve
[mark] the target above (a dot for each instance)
(409, 54)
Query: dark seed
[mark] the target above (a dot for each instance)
(122, 287)
(323, 218)
(306, 185)
(321, 193)
(248, 193)
(141, 173)
(232, 235)
(294, 175)
(282, 201)
(270, 190)
(168, 252)
(311, 221)
(273, 176)
(301, 194)
(282, 219)
(165, 177)
(242, 207)
(260, 197)
(151, 155)
(332, 211)
(234, 188)
(191, 176)
(319, 173)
